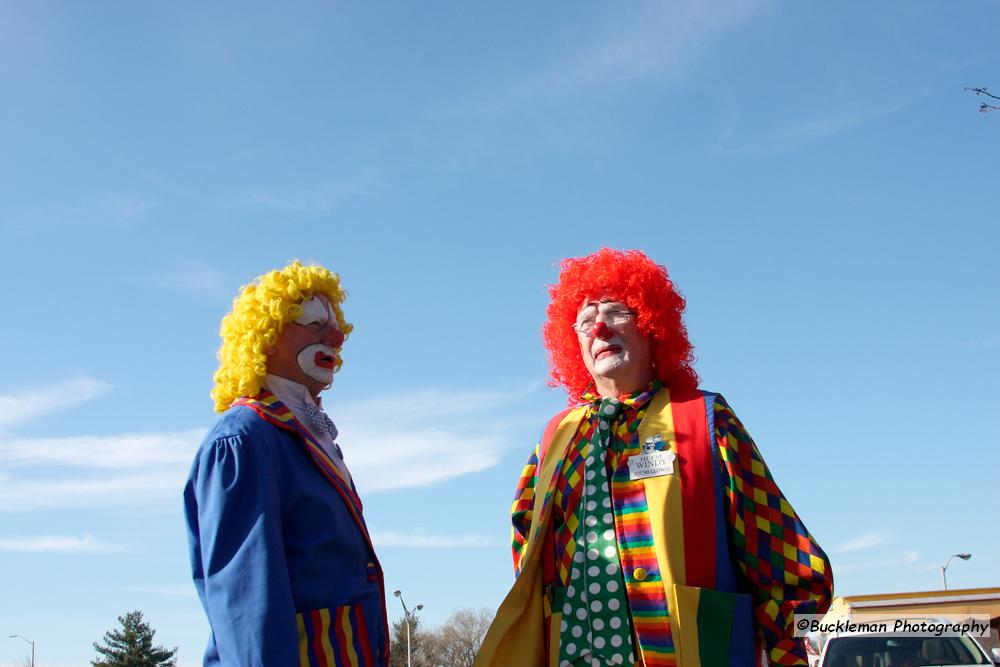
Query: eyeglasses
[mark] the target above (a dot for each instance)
(615, 318)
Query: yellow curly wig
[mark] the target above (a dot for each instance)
(259, 314)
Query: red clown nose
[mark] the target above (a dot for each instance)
(601, 330)
(335, 338)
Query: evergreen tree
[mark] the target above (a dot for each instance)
(132, 646)
(397, 643)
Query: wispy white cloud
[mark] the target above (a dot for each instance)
(183, 590)
(386, 459)
(432, 405)
(796, 132)
(982, 343)
(646, 39)
(72, 543)
(117, 451)
(157, 461)
(418, 538)
(20, 495)
(873, 538)
(102, 210)
(905, 558)
(925, 567)
(434, 435)
(654, 38)
(33, 403)
(318, 199)
(192, 275)
(123, 208)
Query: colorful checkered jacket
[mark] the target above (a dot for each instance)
(716, 561)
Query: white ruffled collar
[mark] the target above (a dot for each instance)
(293, 394)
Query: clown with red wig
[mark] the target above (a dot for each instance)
(647, 529)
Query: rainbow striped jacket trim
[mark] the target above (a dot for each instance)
(334, 637)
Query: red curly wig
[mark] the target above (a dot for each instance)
(633, 278)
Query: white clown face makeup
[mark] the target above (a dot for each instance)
(317, 362)
(306, 349)
(315, 311)
(618, 357)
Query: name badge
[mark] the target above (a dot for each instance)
(642, 466)
(652, 462)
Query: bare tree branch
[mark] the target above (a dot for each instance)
(983, 91)
(984, 107)
(457, 641)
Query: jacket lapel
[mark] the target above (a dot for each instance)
(268, 407)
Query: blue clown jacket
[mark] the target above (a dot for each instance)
(280, 553)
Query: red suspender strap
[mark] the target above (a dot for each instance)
(694, 450)
(550, 430)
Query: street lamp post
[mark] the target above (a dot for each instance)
(32, 647)
(944, 579)
(409, 616)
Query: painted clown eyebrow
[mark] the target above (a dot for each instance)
(315, 310)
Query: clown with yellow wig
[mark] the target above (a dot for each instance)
(647, 529)
(280, 554)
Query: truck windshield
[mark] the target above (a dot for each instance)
(892, 651)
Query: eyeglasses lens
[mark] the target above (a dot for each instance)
(613, 318)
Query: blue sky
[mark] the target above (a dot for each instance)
(814, 177)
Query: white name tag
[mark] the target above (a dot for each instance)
(652, 464)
